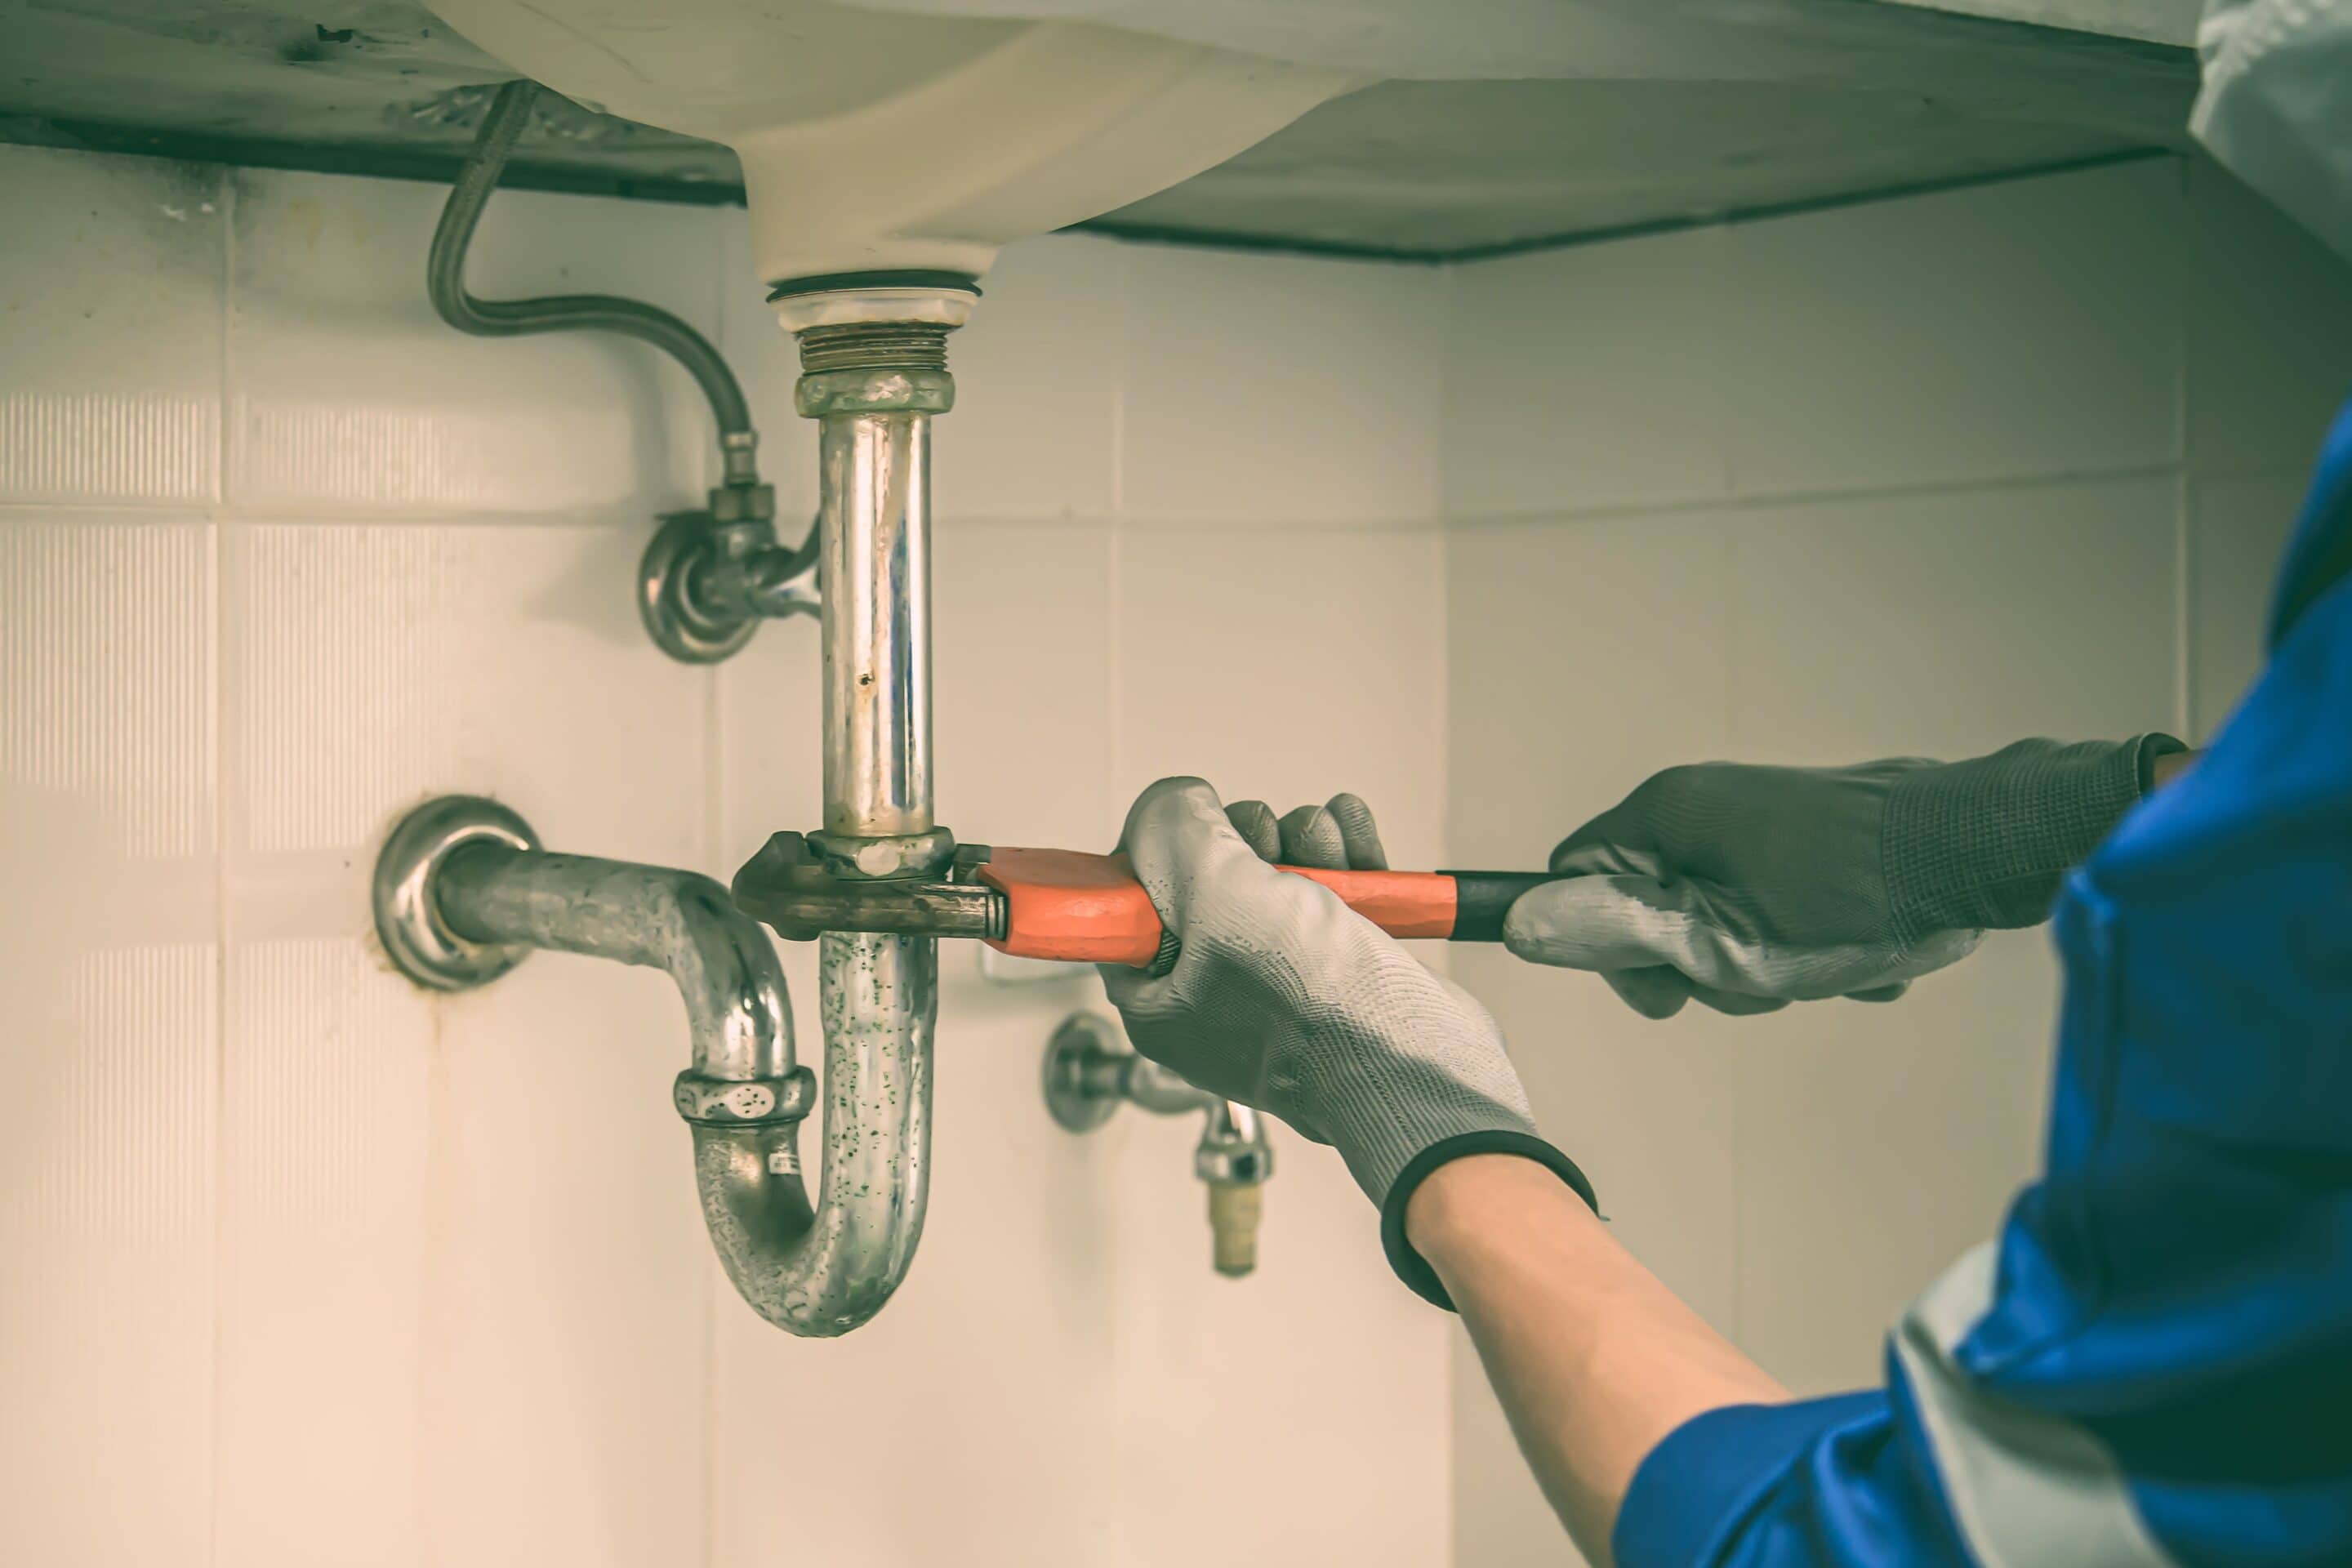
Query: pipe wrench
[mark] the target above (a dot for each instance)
(1076, 907)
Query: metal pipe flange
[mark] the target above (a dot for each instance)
(408, 921)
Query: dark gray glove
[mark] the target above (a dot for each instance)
(1750, 887)
(1285, 999)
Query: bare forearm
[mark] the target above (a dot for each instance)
(1593, 1359)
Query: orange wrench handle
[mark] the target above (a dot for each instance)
(1064, 904)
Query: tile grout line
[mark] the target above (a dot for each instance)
(2184, 628)
(223, 782)
(2183, 544)
(1442, 540)
(1775, 500)
(714, 710)
(714, 832)
(1739, 1077)
(1115, 571)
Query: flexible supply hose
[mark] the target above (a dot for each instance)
(446, 281)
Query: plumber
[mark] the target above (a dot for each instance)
(2153, 1365)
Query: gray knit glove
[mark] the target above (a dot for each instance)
(1750, 887)
(1282, 997)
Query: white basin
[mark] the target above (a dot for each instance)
(895, 142)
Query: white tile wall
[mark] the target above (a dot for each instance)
(1039, 378)
(1595, 372)
(2008, 331)
(113, 291)
(328, 292)
(1287, 665)
(1278, 664)
(109, 1048)
(2239, 526)
(1997, 462)
(1282, 389)
(433, 1286)
(547, 1333)
(2270, 348)
(1931, 624)
(1579, 654)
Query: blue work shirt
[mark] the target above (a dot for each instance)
(2154, 1363)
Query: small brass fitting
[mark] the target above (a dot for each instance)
(1235, 1211)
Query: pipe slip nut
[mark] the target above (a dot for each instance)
(738, 1101)
(878, 390)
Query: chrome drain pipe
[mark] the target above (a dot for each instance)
(463, 891)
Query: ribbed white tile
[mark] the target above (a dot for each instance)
(543, 1343)
(564, 1400)
(1581, 656)
(1034, 431)
(326, 1065)
(2008, 330)
(106, 1074)
(112, 335)
(2239, 530)
(2270, 331)
(107, 446)
(1876, 1143)
(1286, 665)
(428, 453)
(922, 1437)
(1022, 617)
(106, 668)
(107, 1097)
(348, 392)
(1589, 377)
(124, 1065)
(370, 667)
(1337, 1373)
(1951, 624)
(1268, 389)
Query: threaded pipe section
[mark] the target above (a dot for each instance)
(873, 346)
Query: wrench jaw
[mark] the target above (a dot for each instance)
(789, 886)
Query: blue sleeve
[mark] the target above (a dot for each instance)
(1822, 1482)
(2154, 1366)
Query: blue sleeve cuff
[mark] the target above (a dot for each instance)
(1692, 1496)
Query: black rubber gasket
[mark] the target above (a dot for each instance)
(835, 282)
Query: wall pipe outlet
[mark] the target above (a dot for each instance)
(463, 893)
(1089, 1073)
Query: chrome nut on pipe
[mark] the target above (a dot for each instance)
(735, 1103)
